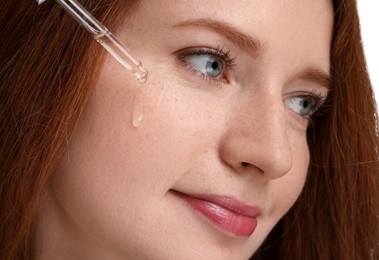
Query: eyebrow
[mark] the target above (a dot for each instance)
(315, 75)
(248, 43)
(253, 46)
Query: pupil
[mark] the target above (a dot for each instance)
(214, 65)
(305, 103)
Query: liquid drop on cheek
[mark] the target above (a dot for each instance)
(137, 112)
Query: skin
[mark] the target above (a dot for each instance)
(112, 196)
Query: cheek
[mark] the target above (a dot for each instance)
(112, 166)
(120, 165)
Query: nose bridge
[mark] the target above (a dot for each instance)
(276, 156)
(257, 137)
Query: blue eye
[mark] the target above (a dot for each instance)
(303, 106)
(214, 65)
(205, 64)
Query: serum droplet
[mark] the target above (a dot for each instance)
(137, 113)
(137, 119)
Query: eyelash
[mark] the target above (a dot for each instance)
(229, 64)
(224, 56)
(319, 102)
(321, 106)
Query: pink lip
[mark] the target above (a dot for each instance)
(226, 213)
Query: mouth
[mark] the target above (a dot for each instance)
(223, 212)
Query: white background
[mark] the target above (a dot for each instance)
(369, 18)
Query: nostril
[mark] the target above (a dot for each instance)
(245, 164)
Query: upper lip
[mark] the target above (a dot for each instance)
(230, 203)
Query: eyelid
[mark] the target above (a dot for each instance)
(218, 53)
(319, 98)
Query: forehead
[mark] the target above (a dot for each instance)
(244, 14)
(298, 31)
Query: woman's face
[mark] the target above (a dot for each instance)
(202, 160)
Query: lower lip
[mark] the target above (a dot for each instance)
(224, 219)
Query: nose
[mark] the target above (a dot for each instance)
(256, 138)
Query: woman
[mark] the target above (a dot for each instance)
(253, 136)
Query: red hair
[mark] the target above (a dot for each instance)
(48, 66)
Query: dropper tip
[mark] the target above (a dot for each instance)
(142, 79)
(141, 74)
